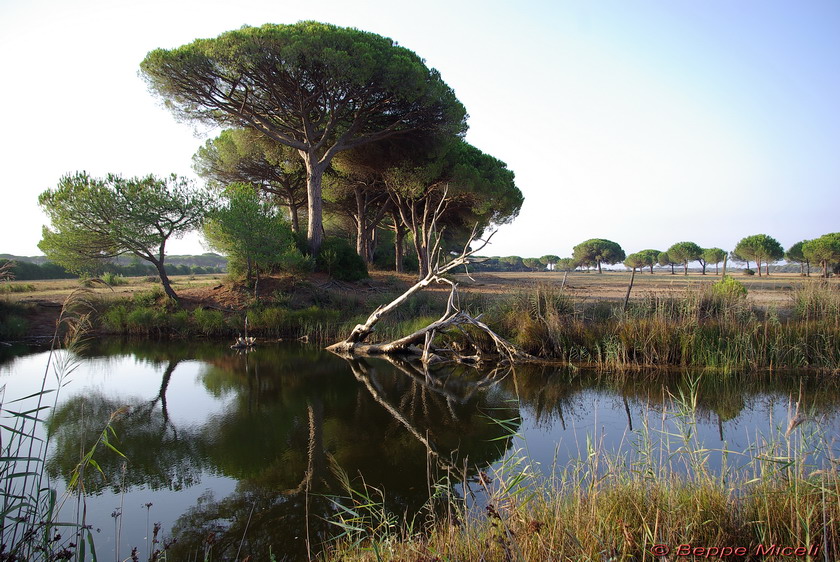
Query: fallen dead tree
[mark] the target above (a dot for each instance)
(422, 343)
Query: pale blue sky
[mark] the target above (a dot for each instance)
(645, 122)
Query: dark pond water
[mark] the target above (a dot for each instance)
(225, 445)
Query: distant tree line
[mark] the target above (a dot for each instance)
(33, 269)
(758, 249)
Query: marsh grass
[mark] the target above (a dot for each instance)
(7, 288)
(711, 327)
(659, 489)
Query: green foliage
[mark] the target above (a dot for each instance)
(534, 264)
(340, 261)
(252, 233)
(635, 261)
(729, 288)
(26, 271)
(94, 220)
(597, 251)
(113, 279)
(549, 259)
(247, 156)
(824, 250)
(684, 252)
(714, 255)
(209, 322)
(359, 87)
(759, 248)
(816, 301)
(565, 264)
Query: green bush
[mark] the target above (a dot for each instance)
(340, 261)
(209, 322)
(749, 272)
(150, 297)
(729, 288)
(115, 319)
(114, 279)
(145, 320)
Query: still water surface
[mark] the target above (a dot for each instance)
(226, 445)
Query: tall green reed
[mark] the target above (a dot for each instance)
(31, 528)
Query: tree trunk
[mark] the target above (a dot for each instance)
(164, 280)
(767, 269)
(315, 205)
(685, 267)
(293, 217)
(599, 267)
(629, 288)
(399, 239)
(758, 264)
(672, 269)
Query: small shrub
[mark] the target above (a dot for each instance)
(749, 272)
(150, 297)
(114, 279)
(729, 288)
(340, 261)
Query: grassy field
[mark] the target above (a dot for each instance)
(612, 285)
(56, 290)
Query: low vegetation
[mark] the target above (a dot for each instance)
(714, 326)
(644, 504)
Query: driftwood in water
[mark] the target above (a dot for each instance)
(421, 342)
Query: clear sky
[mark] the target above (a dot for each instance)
(644, 122)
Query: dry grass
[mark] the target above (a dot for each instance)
(620, 506)
(612, 285)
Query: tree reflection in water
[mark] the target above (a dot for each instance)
(292, 414)
(292, 419)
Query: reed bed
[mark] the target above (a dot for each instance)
(712, 327)
(656, 498)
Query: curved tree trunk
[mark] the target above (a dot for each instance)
(164, 278)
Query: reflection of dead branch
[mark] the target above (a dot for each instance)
(453, 317)
(362, 373)
(425, 377)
